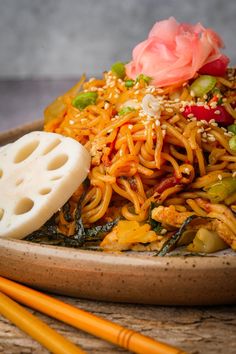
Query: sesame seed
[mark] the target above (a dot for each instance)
(211, 138)
(71, 122)
(186, 170)
(234, 174)
(163, 231)
(106, 105)
(217, 111)
(220, 177)
(170, 110)
(199, 123)
(201, 130)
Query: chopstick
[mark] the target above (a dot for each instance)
(36, 328)
(85, 321)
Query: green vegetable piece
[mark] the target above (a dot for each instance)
(84, 99)
(232, 128)
(232, 143)
(202, 85)
(125, 110)
(129, 83)
(118, 69)
(220, 190)
(144, 78)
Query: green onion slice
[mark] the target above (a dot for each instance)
(202, 85)
(118, 69)
(232, 128)
(125, 110)
(84, 99)
(232, 143)
(144, 78)
(129, 83)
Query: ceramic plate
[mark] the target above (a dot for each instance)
(124, 277)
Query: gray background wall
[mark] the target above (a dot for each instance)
(61, 38)
(45, 45)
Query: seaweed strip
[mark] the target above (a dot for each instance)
(155, 225)
(175, 237)
(97, 232)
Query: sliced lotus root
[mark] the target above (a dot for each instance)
(38, 174)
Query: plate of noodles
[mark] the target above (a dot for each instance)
(155, 219)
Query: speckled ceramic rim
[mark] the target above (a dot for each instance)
(117, 277)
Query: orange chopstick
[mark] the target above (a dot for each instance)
(85, 321)
(36, 328)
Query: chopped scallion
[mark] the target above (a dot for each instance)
(125, 110)
(84, 99)
(129, 83)
(202, 85)
(232, 128)
(144, 78)
(232, 143)
(118, 69)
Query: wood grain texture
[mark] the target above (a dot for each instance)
(199, 330)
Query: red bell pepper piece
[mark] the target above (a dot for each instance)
(217, 67)
(219, 113)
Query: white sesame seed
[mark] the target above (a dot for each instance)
(199, 123)
(186, 170)
(217, 111)
(71, 122)
(163, 231)
(220, 177)
(201, 130)
(234, 174)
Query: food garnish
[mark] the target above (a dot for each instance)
(39, 173)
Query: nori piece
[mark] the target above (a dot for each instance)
(175, 237)
(155, 225)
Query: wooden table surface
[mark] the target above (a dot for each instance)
(205, 330)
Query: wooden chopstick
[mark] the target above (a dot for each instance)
(85, 321)
(36, 328)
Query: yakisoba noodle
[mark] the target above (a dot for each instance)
(151, 158)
